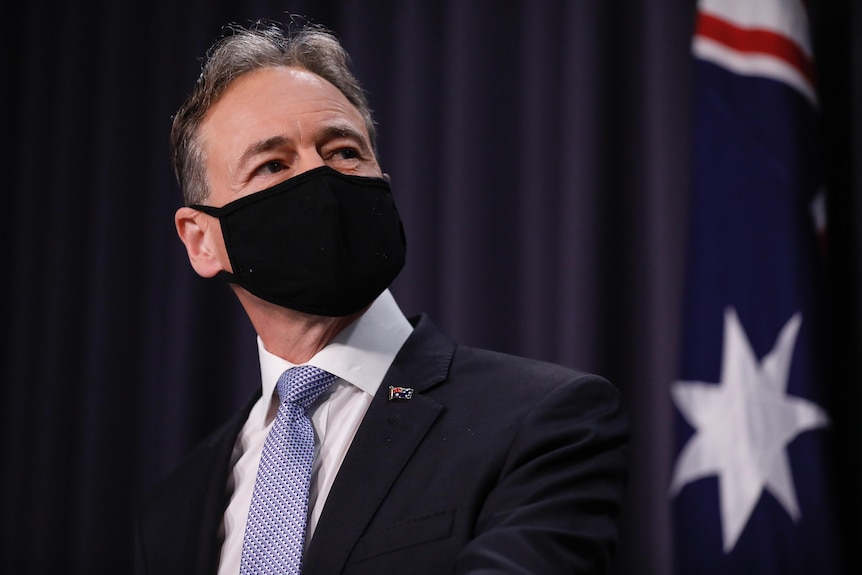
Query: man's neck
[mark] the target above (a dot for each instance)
(290, 334)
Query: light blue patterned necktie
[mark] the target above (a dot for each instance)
(277, 517)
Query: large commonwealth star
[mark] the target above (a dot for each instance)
(743, 425)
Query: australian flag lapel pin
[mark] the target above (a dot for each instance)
(398, 392)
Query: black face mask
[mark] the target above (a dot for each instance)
(322, 242)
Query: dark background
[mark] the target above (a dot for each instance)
(539, 155)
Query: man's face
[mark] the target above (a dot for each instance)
(275, 123)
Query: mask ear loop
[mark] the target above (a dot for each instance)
(227, 277)
(223, 275)
(208, 210)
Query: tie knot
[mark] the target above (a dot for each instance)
(302, 385)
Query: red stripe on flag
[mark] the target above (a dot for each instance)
(756, 41)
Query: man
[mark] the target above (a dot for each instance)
(428, 457)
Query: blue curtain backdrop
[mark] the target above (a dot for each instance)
(539, 152)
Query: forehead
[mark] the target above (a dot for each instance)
(276, 101)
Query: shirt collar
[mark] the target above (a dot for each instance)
(360, 354)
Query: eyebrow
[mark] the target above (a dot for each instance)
(327, 132)
(332, 131)
(260, 147)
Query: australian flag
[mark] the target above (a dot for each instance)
(750, 489)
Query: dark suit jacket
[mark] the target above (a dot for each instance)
(497, 464)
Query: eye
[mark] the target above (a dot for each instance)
(272, 167)
(346, 153)
(344, 158)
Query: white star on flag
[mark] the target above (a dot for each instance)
(743, 425)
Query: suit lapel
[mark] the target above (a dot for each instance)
(388, 436)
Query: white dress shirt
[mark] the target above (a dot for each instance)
(360, 356)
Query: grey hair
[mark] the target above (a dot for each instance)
(242, 50)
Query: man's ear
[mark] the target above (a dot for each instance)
(201, 235)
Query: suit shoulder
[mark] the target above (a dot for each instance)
(518, 368)
(486, 379)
